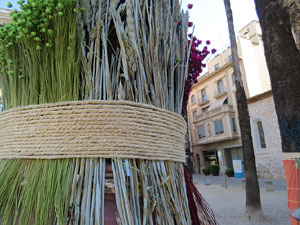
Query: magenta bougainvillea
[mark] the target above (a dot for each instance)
(196, 62)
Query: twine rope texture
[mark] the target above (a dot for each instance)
(92, 129)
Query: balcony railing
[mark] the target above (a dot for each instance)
(223, 109)
(203, 101)
(220, 93)
(216, 138)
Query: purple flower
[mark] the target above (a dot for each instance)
(190, 6)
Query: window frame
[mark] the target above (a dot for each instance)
(217, 127)
(193, 100)
(261, 134)
(204, 131)
(234, 125)
(223, 88)
(203, 95)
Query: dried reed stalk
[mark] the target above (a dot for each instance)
(136, 50)
(130, 50)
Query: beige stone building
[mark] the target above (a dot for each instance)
(4, 16)
(212, 114)
(212, 109)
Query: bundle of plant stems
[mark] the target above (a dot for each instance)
(63, 50)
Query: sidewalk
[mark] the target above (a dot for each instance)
(229, 204)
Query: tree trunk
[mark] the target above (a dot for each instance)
(283, 61)
(253, 203)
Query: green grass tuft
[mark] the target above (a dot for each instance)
(36, 192)
(40, 69)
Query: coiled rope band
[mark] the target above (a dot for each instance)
(92, 129)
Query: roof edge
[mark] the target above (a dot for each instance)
(259, 97)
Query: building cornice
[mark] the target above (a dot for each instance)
(259, 97)
(207, 75)
(257, 22)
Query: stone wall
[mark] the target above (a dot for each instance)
(269, 159)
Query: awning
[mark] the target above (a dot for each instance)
(217, 104)
(233, 146)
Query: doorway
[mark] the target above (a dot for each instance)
(211, 158)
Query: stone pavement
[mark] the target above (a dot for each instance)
(229, 204)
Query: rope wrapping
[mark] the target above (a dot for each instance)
(92, 129)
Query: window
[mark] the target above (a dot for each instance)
(205, 109)
(219, 129)
(261, 134)
(229, 58)
(217, 66)
(234, 129)
(233, 78)
(220, 86)
(193, 99)
(194, 115)
(201, 131)
(203, 95)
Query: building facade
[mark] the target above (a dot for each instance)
(4, 16)
(212, 114)
(212, 109)
(266, 135)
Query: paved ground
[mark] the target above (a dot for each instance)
(229, 204)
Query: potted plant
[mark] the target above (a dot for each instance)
(206, 171)
(215, 170)
(229, 172)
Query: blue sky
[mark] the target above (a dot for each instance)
(209, 18)
(3, 3)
